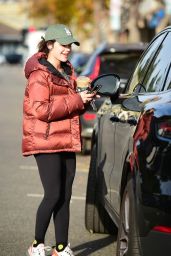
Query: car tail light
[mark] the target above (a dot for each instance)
(163, 229)
(96, 69)
(164, 129)
(89, 116)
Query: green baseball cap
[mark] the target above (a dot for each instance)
(61, 33)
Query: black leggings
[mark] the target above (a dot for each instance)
(57, 171)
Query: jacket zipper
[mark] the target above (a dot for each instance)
(47, 131)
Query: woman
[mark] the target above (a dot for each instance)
(51, 132)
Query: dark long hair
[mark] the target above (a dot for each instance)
(42, 46)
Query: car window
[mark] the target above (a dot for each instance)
(120, 63)
(92, 60)
(89, 66)
(168, 80)
(155, 77)
(144, 63)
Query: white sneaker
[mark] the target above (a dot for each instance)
(36, 251)
(66, 252)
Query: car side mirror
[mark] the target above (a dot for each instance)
(106, 85)
(132, 104)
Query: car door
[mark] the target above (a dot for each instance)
(105, 147)
(150, 73)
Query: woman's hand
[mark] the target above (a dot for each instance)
(87, 97)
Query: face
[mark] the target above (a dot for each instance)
(59, 52)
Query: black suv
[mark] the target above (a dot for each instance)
(129, 182)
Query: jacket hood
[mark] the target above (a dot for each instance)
(34, 63)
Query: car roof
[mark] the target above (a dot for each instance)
(121, 47)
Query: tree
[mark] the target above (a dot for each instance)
(61, 11)
(80, 14)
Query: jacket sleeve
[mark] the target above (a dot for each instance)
(50, 108)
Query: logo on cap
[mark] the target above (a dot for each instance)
(68, 32)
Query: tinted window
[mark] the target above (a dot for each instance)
(144, 63)
(120, 63)
(158, 69)
(168, 81)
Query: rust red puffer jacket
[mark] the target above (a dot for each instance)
(51, 110)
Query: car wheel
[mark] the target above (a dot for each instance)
(127, 241)
(97, 219)
(86, 146)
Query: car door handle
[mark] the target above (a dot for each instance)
(130, 120)
(114, 119)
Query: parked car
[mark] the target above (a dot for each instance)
(129, 181)
(14, 58)
(79, 60)
(114, 58)
(2, 58)
(107, 58)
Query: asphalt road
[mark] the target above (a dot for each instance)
(20, 188)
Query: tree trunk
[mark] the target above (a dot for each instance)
(134, 35)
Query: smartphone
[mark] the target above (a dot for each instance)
(95, 89)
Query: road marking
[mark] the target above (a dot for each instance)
(72, 197)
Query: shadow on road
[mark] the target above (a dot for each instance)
(90, 247)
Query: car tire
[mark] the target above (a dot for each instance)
(97, 219)
(84, 146)
(127, 241)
